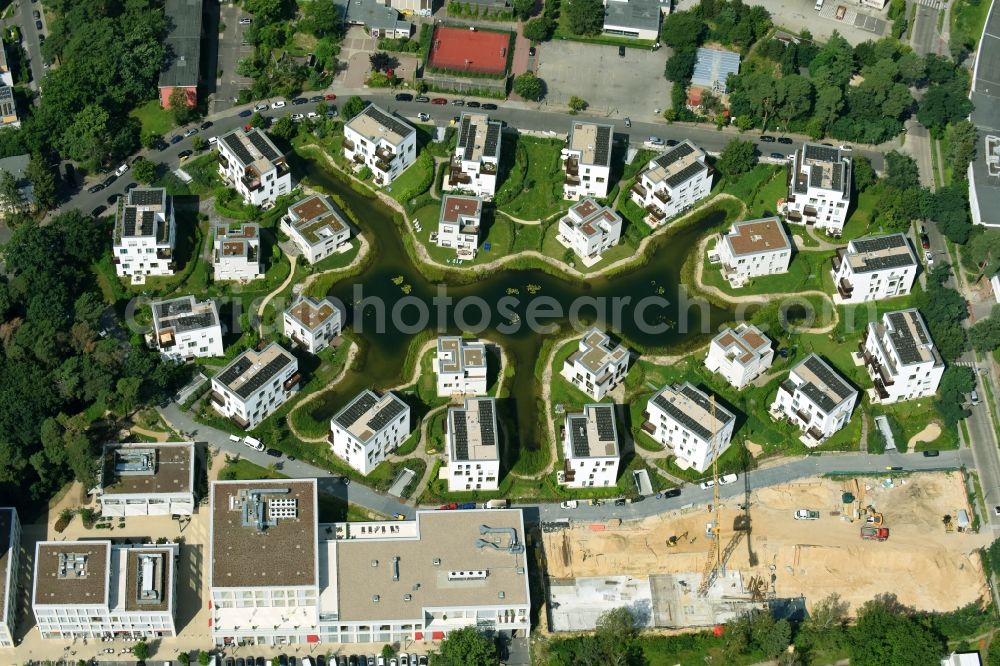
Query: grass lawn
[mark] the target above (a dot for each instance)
(746, 187)
(860, 221)
(499, 234)
(153, 118)
(765, 202)
(807, 271)
(563, 31)
(551, 247)
(413, 182)
(967, 21)
(525, 237)
(533, 188)
(244, 470)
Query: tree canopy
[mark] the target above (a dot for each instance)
(586, 17)
(887, 635)
(737, 158)
(529, 86)
(466, 647)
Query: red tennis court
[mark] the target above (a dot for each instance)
(461, 49)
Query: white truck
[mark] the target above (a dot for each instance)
(254, 444)
(569, 504)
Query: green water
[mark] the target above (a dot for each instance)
(383, 351)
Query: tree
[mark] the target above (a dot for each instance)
(322, 19)
(178, 105)
(89, 138)
(198, 142)
(962, 148)
(382, 61)
(984, 335)
(285, 128)
(388, 653)
(11, 198)
(352, 107)
(259, 120)
(901, 171)
(949, 207)
(943, 104)
(757, 631)
(184, 659)
(523, 8)
(864, 174)
(538, 29)
(984, 249)
(833, 64)
(577, 104)
(682, 31)
(466, 647)
(204, 658)
(885, 634)
(43, 183)
(141, 650)
(586, 17)
(737, 158)
(680, 65)
(824, 629)
(144, 171)
(529, 87)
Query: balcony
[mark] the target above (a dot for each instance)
(810, 211)
(572, 167)
(384, 154)
(655, 212)
(382, 165)
(252, 183)
(648, 427)
(292, 382)
(458, 177)
(880, 389)
(571, 180)
(166, 339)
(838, 259)
(164, 253)
(349, 145)
(223, 162)
(218, 399)
(240, 422)
(794, 216)
(662, 196)
(488, 168)
(845, 288)
(815, 434)
(787, 386)
(570, 473)
(802, 415)
(639, 191)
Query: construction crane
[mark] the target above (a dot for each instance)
(715, 555)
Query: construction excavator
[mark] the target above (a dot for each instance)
(674, 538)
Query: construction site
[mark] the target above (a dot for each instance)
(791, 545)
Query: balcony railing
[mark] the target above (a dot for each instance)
(384, 154)
(794, 216)
(572, 167)
(292, 382)
(639, 190)
(649, 427)
(252, 184)
(655, 212)
(349, 145)
(218, 398)
(815, 434)
(845, 288)
(662, 196)
(571, 180)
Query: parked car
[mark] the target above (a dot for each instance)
(110, 179)
(177, 138)
(261, 107)
(36, 15)
(778, 156)
(766, 138)
(422, 98)
(929, 257)
(785, 140)
(620, 501)
(278, 104)
(300, 100)
(96, 188)
(655, 141)
(531, 51)
(925, 242)
(569, 504)
(131, 186)
(184, 154)
(246, 20)
(806, 514)
(332, 113)
(439, 100)
(996, 510)
(671, 492)
(404, 97)
(38, 25)
(246, 113)
(329, 97)
(974, 397)
(628, 122)
(451, 506)
(931, 453)
(672, 142)
(316, 98)
(97, 212)
(458, 102)
(621, 51)
(205, 125)
(473, 104)
(423, 116)
(191, 132)
(297, 117)
(311, 115)
(489, 106)
(727, 479)
(705, 485)
(122, 168)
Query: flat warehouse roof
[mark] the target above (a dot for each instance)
(147, 468)
(71, 573)
(183, 43)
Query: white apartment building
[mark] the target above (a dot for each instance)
(145, 234)
(753, 248)
(10, 563)
(819, 187)
(255, 384)
(589, 230)
(672, 183)
(317, 226)
(740, 354)
(94, 589)
(8, 106)
(147, 479)
(873, 268)
(591, 452)
(473, 443)
(184, 329)
(461, 367)
(379, 140)
(312, 323)
(683, 420)
(369, 428)
(816, 399)
(901, 357)
(597, 366)
(458, 224)
(587, 161)
(474, 165)
(252, 165)
(236, 252)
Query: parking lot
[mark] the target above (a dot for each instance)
(231, 51)
(612, 85)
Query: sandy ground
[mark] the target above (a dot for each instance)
(928, 434)
(920, 563)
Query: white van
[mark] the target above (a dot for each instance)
(496, 504)
(819, 5)
(253, 443)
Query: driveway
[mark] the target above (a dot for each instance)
(29, 36)
(231, 51)
(354, 52)
(573, 68)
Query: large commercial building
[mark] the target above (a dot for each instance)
(474, 165)
(236, 252)
(255, 384)
(597, 366)
(672, 183)
(473, 442)
(10, 562)
(369, 428)
(458, 224)
(587, 160)
(683, 419)
(752, 249)
(638, 19)
(277, 577)
(816, 399)
(740, 354)
(874, 268)
(312, 323)
(461, 367)
(317, 226)
(183, 51)
(96, 589)
(589, 230)
(147, 479)
(145, 234)
(901, 357)
(591, 452)
(819, 187)
(379, 140)
(184, 329)
(250, 163)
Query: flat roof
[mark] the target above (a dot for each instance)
(252, 369)
(183, 314)
(677, 165)
(317, 218)
(460, 207)
(637, 14)
(692, 408)
(472, 431)
(478, 137)
(879, 253)
(712, 68)
(596, 351)
(182, 43)
(590, 218)
(72, 573)
(456, 354)
(592, 141)
(313, 312)
(253, 149)
(369, 414)
(448, 541)
(149, 578)
(374, 123)
(743, 344)
(756, 237)
(143, 214)
(147, 468)
(823, 167)
(7, 517)
(821, 383)
(907, 335)
(593, 432)
(264, 533)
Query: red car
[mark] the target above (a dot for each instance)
(329, 96)
(247, 127)
(439, 100)
(448, 507)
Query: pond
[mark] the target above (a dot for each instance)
(502, 306)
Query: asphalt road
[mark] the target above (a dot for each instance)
(29, 35)
(924, 37)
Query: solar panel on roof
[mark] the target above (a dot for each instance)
(388, 121)
(679, 151)
(578, 436)
(905, 344)
(684, 418)
(236, 370)
(173, 308)
(354, 411)
(838, 175)
(829, 379)
(602, 148)
(263, 376)
(821, 153)
(881, 244)
(459, 436)
(129, 225)
(486, 431)
(236, 146)
(685, 174)
(261, 143)
(384, 416)
(146, 196)
(147, 222)
(492, 138)
(605, 418)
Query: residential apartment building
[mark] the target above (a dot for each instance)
(752, 249)
(145, 234)
(685, 421)
(461, 367)
(901, 357)
(312, 323)
(458, 224)
(587, 160)
(672, 183)
(474, 165)
(96, 589)
(816, 399)
(873, 268)
(8, 106)
(146, 479)
(184, 328)
(819, 187)
(317, 226)
(10, 563)
(236, 252)
(591, 452)
(255, 384)
(597, 366)
(253, 166)
(369, 428)
(740, 354)
(379, 140)
(473, 442)
(589, 230)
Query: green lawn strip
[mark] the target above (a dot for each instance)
(331, 361)
(912, 416)
(745, 187)
(805, 273)
(239, 469)
(765, 201)
(538, 193)
(153, 118)
(967, 21)
(413, 182)
(945, 143)
(435, 433)
(862, 216)
(935, 166)
(564, 31)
